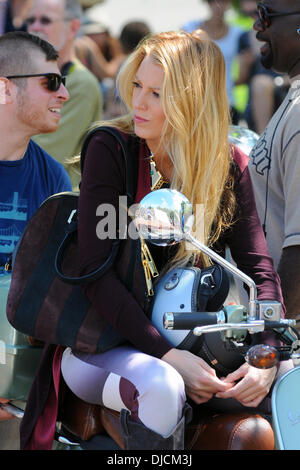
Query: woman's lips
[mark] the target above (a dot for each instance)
(139, 119)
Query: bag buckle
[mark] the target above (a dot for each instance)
(208, 280)
(8, 266)
(72, 213)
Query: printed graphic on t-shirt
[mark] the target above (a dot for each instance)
(260, 156)
(13, 216)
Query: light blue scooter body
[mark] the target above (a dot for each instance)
(286, 410)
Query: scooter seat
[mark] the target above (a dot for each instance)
(206, 431)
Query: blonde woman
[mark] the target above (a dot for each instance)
(174, 88)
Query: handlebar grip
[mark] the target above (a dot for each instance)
(189, 320)
(285, 355)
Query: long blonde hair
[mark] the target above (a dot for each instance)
(195, 133)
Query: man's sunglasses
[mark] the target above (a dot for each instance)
(265, 16)
(54, 80)
(44, 20)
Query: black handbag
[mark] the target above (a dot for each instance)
(46, 300)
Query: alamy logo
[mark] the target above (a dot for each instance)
(114, 222)
(294, 417)
(260, 155)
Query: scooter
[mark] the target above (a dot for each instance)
(19, 358)
(231, 322)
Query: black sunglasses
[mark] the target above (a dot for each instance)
(54, 80)
(265, 16)
(44, 20)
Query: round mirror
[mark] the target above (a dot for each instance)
(243, 138)
(164, 216)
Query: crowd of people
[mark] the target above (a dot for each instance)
(172, 96)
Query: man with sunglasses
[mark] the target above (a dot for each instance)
(31, 97)
(275, 160)
(58, 22)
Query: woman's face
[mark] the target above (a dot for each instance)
(148, 114)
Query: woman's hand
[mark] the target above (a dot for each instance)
(254, 384)
(200, 379)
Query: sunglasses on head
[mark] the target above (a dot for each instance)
(54, 80)
(265, 16)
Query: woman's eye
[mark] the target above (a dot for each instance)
(157, 95)
(136, 84)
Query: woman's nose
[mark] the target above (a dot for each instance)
(141, 100)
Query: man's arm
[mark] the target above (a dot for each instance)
(289, 273)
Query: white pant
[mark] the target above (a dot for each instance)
(152, 390)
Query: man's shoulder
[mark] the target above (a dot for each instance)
(43, 158)
(80, 74)
(50, 172)
(80, 81)
(285, 123)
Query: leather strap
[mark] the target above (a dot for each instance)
(130, 178)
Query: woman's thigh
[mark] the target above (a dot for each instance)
(123, 377)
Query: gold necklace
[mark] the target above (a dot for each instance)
(157, 179)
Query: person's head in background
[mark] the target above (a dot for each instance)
(218, 8)
(58, 22)
(248, 8)
(131, 34)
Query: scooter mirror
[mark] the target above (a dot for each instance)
(262, 356)
(164, 217)
(243, 138)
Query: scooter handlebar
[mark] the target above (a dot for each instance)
(190, 320)
(205, 322)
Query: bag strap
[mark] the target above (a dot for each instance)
(206, 285)
(130, 155)
(131, 173)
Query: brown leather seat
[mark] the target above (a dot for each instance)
(236, 431)
(212, 431)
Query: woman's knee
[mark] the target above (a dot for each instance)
(161, 403)
(167, 387)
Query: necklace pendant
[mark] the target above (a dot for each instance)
(158, 183)
(157, 180)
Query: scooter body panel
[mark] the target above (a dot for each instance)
(286, 410)
(18, 359)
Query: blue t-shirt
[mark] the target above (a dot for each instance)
(24, 185)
